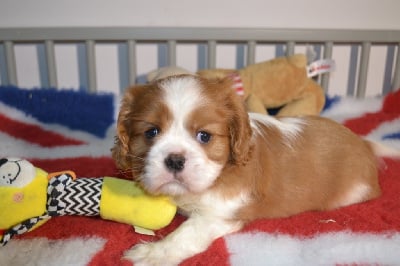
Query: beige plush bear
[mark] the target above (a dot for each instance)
(280, 82)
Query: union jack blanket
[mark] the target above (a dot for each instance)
(59, 129)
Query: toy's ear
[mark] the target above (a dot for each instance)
(168, 71)
(299, 60)
(16, 172)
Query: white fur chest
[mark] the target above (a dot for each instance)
(212, 204)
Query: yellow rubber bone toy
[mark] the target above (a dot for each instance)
(29, 196)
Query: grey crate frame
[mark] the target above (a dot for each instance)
(211, 36)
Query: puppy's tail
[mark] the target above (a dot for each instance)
(381, 150)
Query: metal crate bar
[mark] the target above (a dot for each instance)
(91, 65)
(212, 54)
(363, 72)
(51, 64)
(251, 52)
(132, 72)
(171, 53)
(11, 64)
(328, 47)
(290, 48)
(396, 73)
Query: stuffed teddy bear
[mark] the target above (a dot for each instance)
(29, 196)
(278, 83)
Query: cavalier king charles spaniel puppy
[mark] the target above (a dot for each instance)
(192, 139)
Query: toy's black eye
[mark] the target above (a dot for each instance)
(152, 132)
(203, 137)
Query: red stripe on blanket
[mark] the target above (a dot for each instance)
(390, 111)
(359, 126)
(34, 134)
(82, 166)
(392, 103)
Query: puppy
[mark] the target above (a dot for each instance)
(191, 139)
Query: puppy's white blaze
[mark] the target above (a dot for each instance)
(181, 96)
(290, 127)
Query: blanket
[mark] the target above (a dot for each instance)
(59, 129)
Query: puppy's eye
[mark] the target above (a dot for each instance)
(203, 137)
(152, 132)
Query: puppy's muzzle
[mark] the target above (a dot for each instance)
(175, 162)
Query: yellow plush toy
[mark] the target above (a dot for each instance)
(29, 196)
(281, 82)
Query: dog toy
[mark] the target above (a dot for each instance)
(280, 82)
(167, 71)
(29, 196)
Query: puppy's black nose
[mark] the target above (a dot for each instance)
(175, 162)
(3, 161)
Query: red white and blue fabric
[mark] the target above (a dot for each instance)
(58, 130)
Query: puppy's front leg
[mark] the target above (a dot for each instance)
(192, 237)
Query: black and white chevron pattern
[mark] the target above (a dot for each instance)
(77, 197)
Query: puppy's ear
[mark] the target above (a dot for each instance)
(121, 149)
(239, 124)
(240, 133)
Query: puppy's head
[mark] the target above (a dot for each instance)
(178, 133)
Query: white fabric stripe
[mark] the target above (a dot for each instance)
(334, 248)
(41, 251)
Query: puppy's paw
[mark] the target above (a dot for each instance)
(152, 254)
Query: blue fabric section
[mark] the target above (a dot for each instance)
(93, 113)
(330, 101)
(392, 136)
